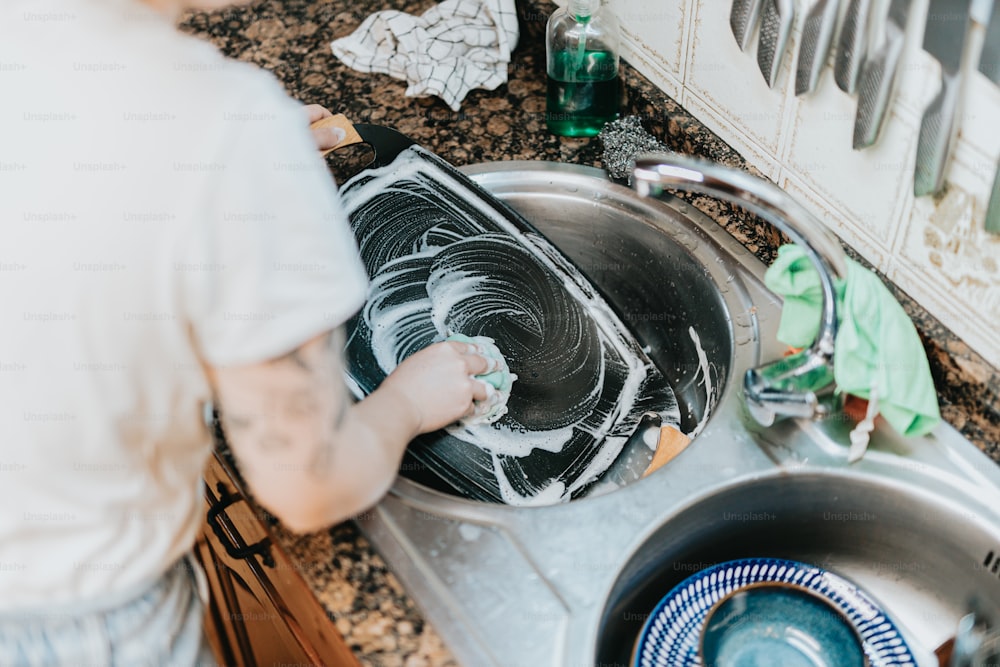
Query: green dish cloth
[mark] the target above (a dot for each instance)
(876, 343)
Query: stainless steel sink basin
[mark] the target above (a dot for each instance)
(664, 282)
(570, 584)
(667, 281)
(920, 554)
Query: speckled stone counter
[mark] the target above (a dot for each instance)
(291, 39)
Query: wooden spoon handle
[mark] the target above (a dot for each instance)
(340, 120)
(671, 443)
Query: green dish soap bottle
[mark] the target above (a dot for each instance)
(584, 89)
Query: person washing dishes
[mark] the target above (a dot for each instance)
(169, 235)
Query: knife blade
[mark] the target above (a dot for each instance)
(989, 60)
(878, 76)
(817, 36)
(852, 45)
(989, 64)
(743, 17)
(992, 222)
(948, 23)
(775, 27)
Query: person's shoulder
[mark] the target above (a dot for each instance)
(122, 53)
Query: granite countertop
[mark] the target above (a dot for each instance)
(291, 39)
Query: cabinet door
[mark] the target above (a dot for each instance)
(262, 611)
(241, 627)
(224, 637)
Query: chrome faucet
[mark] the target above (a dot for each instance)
(787, 387)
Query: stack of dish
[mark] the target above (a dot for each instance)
(764, 612)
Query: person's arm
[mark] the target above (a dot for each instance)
(314, 458)
(282, 276)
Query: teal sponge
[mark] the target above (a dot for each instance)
(499, 381)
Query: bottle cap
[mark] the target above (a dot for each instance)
(583, 8)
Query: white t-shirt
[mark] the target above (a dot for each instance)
(159, 204)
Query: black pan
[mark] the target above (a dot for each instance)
(444, 255)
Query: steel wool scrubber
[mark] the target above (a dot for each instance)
(623, 139)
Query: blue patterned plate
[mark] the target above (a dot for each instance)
(671, 635)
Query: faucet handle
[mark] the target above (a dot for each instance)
(788, 386)
(765, 403)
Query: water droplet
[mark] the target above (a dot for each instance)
(469, 532)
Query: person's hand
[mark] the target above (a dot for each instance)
(436, 384)
(326, 137)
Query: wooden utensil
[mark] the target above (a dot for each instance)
(339, 120)
(671, 443)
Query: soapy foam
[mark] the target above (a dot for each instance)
(705, 370)
(454, 295)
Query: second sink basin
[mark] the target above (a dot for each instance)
(919, 554)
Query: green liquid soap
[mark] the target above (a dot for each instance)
(583, 93)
